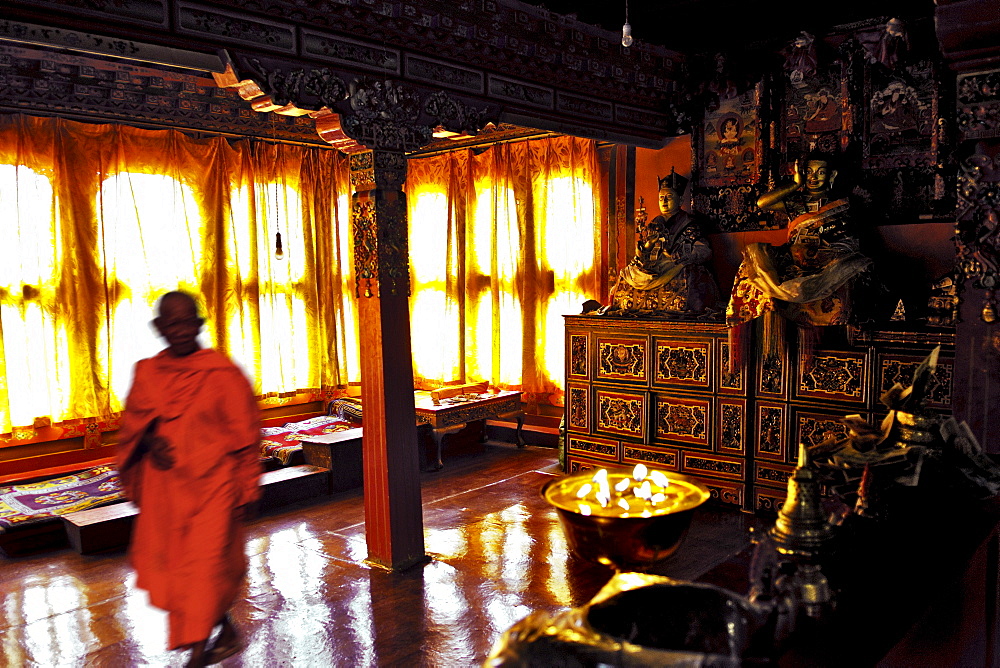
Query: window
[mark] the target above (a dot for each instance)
(100, 220)
(151, 240)
(35, 361)
(502, 245)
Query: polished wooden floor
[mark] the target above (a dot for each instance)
(497, 554)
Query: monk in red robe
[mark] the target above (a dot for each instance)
(188, 457)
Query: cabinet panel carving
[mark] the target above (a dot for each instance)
(621, 413)
(597, 447)
(663, 458)
(578, 407)
(724, 491)
(578, 360)
(685, 364)
(772, 376)
(837, 376)
(771, 431)
(732, 426)
(812, 428)
(622, 359)
(899, 369)
(730, 380)
(723, 467)
(772, 474)
(685, 420)
(768, 500)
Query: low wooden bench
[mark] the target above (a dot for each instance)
(341, 454)
(100, 529)
(110, 527)
(33, 538)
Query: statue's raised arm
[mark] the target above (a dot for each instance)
(809, 278)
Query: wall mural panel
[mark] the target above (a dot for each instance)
(731, 141)
(817, 114)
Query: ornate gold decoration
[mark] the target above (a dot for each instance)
(834, 375)
(381, 257)
(365, 248)
(578, 355)
(772, 369)
(686, 365)
(770, 430)
(732, 427)
(772, 473)
(723, 493)
(813, 430)
(620, 413)
(942, 305)
(603, 448)
(664, 458)
(624, 359)
(731, 379)
(579, 415)
(721, 467)
(977, 230)
(682, 421)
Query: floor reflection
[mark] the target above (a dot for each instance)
(310, 599)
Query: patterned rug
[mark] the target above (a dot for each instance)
(44, 501)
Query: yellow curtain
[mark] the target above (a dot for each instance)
(507, 243)
(99, 220)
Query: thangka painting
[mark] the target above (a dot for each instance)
(901, 143)
(817, 116)
(731, 142)
(900, 116)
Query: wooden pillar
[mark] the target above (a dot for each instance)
(393, 510)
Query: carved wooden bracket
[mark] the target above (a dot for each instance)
(373, 113)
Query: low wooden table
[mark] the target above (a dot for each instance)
(451, 416)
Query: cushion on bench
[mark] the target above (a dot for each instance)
(284, 443)
(45, 501)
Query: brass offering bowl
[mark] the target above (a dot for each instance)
(636, 538)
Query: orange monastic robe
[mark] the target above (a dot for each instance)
(188, 542)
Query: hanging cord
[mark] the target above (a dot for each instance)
(279, 252)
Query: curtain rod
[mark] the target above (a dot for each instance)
(423, 153)
(87, 118)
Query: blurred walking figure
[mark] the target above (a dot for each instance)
(188, 457)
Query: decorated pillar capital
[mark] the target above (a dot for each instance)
(377, 169)
(378, 219)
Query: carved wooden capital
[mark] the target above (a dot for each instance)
(381, 252)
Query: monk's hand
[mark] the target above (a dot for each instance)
(161, 453)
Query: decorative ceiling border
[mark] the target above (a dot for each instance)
(565, 73)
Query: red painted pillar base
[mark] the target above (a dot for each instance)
(393, 508)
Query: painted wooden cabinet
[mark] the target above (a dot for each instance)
(659, 392)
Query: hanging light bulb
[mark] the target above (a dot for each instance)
(626, 29)
(278, 252)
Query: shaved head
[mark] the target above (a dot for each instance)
(178, 322)
(175, 299)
